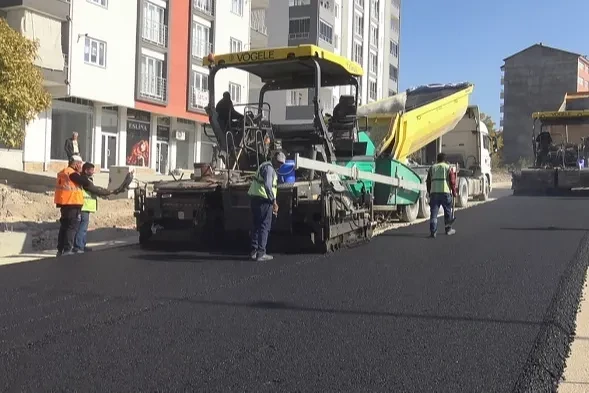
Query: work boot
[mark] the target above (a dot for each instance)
(432, 235)
(58, 253)
(253, 255)
(450, 232)
(264, 257)
(77, 251)
(65, 253)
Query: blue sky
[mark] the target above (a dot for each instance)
(459, 40)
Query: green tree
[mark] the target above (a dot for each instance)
(494, 133)
(22, 96)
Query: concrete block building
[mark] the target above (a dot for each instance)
(535, 79)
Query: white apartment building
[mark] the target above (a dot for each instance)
(128, 77)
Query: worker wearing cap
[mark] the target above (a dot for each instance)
(441, 186)
(263, 192)
(69, 197)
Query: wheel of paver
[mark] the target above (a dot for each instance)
(462, 199)
(408, 213)
(144, 235)
(423, 206)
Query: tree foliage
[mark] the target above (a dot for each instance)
(494, 133)
(22, 95)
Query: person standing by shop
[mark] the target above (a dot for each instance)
(71, 146)
(91, 194)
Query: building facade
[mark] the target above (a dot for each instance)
(366, 31)
(127, 76)
(535, 79)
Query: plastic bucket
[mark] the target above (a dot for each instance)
(286, 172)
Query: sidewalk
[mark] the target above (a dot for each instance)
(29, 257)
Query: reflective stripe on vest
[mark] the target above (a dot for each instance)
(67, 193)
(257, 188)
(90, 202)
(439, 178)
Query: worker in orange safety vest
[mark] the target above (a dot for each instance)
(69, 197)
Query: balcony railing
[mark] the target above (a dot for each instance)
(298, 3)
(66, 64)
(201, 49)
(199, 98)
(153, 87)
(155, 32)
(204, 6)
(298, 36)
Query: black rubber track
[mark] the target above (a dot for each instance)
(488, 310)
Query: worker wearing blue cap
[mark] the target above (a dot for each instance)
(262, 192)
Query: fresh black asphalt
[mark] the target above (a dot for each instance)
(488, 310)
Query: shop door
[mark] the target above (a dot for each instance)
(161, 163)
(109, 151)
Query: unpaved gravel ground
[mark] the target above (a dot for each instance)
(35, 213)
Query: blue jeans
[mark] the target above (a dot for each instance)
(262, 222)
(437, 200)
(80, 240)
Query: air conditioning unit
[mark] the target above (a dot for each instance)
(180, 135)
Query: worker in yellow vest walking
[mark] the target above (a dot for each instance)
(91, 194)
(263, 192)
(441, 186)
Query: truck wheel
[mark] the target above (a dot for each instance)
(144, 235)
(408, 213)
(423, 206)
(486, 186)
(462, 198)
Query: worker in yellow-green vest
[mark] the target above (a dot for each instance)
(263, 192)
(91, 194)
(441, 187)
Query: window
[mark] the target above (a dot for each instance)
(336, 41)
(372, 89)
(295, 98)
(234, 45)
(373, 64)
(152, 77)
(580, 81)
(201, 41)
(237, 7)
(95, 52)
(393, 72)
(359, 2)
(154, 28)
(359, 24)
(325, 32)
(486, 142)
(392, 93)
(357, 53)
(200, 88)
(396, 4)
(374, 8)
(299, 28)
(394, 48)
(235, 91)
(394, 24)
(337, 11)
(103, 3)
(374, 35)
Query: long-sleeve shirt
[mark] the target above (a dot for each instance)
(451, 180)
(267, 173)
(85, 182)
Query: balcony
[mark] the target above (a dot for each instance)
(199, 98)
(155, 33)
(204, 6)
(502, 81)
(298, 3)
(153, 87)
(502, 95)
(201, 48)
(298, 36)
(57, 9)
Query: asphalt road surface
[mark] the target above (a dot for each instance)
(488, 310)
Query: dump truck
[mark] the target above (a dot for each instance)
(561, 164)
(401, 125)
(324, 207)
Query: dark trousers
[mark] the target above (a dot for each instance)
(437, 200)
(262, 222)
(80, 239)
(69, 223)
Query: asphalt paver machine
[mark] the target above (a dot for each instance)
(560, 166)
